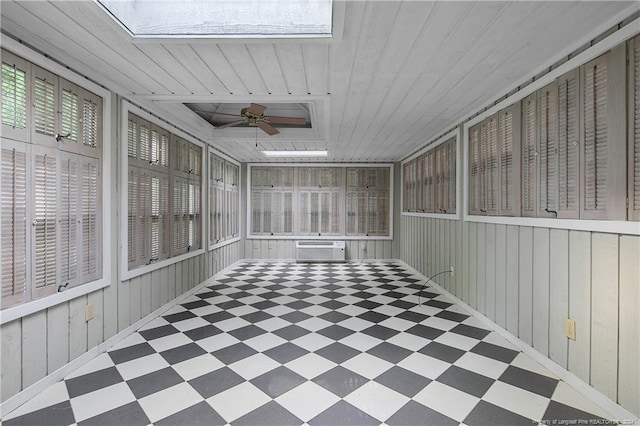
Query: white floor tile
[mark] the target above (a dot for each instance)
(352, 310)
(254, 366)
(238, 401)
(397, 324)
(387, 309)
(196, 367)
(367, 365)
(495, 339)
(100, 401)
(312, 341)
(447, 400)
(457, 341)
(216, 342)
(481, 365)
(141, 366)
(424, 365)
(157, 322)
(525, 362)
(162, 404)
(130, 340)
(100, 362)
(244, 310)
(355, 323)
(440, 323)
(360, 341)
(307, 400)
(314, 324)
(232, 324)
(518, 400)
(272, 324)
(169, 342)
(264, 342)
(409, 341)
(377, 400)
(315, 310)
(310, 365)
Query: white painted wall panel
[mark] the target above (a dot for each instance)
(580, 303)
(558, 294)
(541, 300)
(525, 294)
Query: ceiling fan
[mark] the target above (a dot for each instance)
(253, 115)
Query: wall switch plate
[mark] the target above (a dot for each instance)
(451, 269)
(89, 312)
(570, 328)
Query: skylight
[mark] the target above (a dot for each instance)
(223, 18)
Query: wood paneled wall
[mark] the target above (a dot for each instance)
(37, 345)
(528, 280)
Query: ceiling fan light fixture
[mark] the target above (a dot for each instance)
(295, 154)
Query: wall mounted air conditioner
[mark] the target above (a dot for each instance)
(320, 251)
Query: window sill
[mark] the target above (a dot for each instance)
(311, 237)
(606, 226)
(450, 216)
(127, 275)
(19, 311)
(223, 243)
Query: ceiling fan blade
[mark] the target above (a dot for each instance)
(233, 123)
(267, 128)
(256, 109)
(287, 120)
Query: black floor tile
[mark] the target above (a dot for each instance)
(372, 316)
(380, 332)
(182, 353)
(466, 381)
(130, 414)
(389, 352)
(442, 352)
(417, 414)
(285, 352)
(215, 382)
(93, 381)
(412, 316)
(337, 352)
(340, 381)
(202, 332)
(291, 332)
(533, 382)
(558, 413)
(154, 382)
(157, 332)
(247, 332)
(234, 353)
(270, 413)
(486, 413)
(403, 381)
(58, 414)
(335, 332)
(344, 414)
(425, 331)
(278, 381)
(131, 352)
(200, 414)
(495, 352)
(196, 304)
(217, 317)
(452, 316)
(180, 316)
(469, 331)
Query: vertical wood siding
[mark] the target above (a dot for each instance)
(528, 280)
(286, 249)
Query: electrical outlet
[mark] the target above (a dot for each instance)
(89, 312)
(270, 245)
(451, 270)
(570, 328)
(256, 245)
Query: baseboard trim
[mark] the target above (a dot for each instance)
(616, 411)
(30, 392)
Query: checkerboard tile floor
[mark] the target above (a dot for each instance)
(317, 344)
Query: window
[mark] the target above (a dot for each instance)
(224, 199)
(368, 201)
(51, 183)
(310, 201)
(570, 139)
(163, 197)
(430, 180)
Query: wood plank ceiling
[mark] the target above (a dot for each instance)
(399, 74)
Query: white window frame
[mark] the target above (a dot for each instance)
(343, 235)
(226, 158)
(19, 311)
(124, 199)
(608, 226)
(459, 166)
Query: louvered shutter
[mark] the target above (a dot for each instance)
(474, 184)
(509, 151)
(603, 137)
(91, 122)
(405, 187)
(195, 218)
(288, 213)
(70, 219)
(529, 155)
(548, 151)
(634, 129)
(44, 100)
(159, 151)
(420, 174)
(14, 223)
(133, 217)
(144, 140)
(179, 245)
(266, 213)
(44, 226)
(15, 113)
(492, 170)
(156, 228)
(352, 213)
(568, 146)
(144, 217)
(132, 136)
(69, 114)
(256, 208)
(429, 182)
(90, 228)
